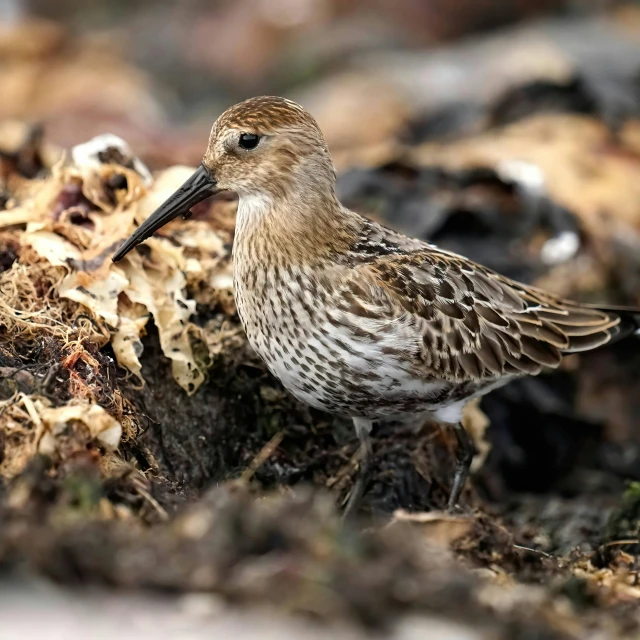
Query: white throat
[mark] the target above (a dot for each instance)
(252, 208)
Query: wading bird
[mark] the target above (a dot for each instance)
(356, 319)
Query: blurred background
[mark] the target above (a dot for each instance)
(159, 72)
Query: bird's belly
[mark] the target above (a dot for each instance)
(342, 365)
(333, 372)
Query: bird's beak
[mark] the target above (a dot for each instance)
(199, 186)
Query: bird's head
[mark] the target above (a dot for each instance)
(266, 149)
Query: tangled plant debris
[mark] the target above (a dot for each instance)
(73, 224)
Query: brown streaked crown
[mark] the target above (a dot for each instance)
(266, 114)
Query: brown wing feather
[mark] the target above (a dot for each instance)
(476, 323)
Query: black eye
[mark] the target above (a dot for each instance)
(249, 140)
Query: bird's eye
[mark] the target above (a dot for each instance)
(249, 140)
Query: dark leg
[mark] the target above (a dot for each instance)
(465, 453)
(363, 428)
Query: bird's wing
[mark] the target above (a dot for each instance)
(470, 322)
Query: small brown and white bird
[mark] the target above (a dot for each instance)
(356, 319)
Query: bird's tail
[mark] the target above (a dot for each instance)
(629, 321)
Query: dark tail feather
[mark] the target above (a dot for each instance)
(591, 326)
(629, 321)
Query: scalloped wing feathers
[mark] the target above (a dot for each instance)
(472, 323)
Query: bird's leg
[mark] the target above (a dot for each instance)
(363, 429)
(464, 456)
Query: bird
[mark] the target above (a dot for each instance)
(355, 318)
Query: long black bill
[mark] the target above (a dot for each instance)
(199, 186)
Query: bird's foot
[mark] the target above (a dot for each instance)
(363, 428)
(359, 486)
(466, 450)
(355, 498)
(457, 509)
